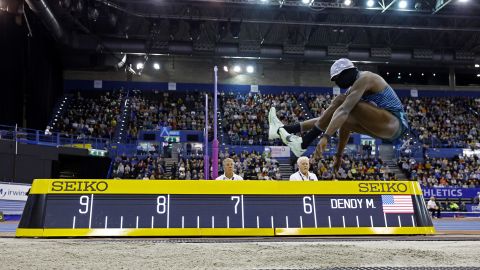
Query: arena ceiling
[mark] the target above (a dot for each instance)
(442, 31)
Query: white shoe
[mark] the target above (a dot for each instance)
(292, 141)
(274, 124)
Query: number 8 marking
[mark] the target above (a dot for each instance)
(161, 204)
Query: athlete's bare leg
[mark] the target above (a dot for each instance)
(365, 118)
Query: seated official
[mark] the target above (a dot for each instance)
(303, 174)
(228, 169)
(476, 200)
(433, 207)
(454, 206)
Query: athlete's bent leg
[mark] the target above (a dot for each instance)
(365, 118)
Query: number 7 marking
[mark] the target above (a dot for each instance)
(237, 199)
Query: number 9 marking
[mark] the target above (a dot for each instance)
(85, 201)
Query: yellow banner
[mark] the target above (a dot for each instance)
(104, 186)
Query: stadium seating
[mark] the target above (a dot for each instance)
(90, 114)
(445, 122)
(441, 172)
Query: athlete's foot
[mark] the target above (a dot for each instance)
(292, 141)
(274, 124)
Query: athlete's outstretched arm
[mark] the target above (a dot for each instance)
(341, 113)
(343, 136)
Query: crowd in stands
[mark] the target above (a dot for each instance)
(318, 103)
(441, 172)
(177, 111)
(250, 165)
(445, 122)
(135, 167)
(188, 169)
(435, 172)
(90, 115)
(435, 122)
(352, 168)
(247, 115)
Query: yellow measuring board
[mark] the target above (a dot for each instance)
(99, 207)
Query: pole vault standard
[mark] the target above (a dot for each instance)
(205, 138)
(215, 123)
(215, 140)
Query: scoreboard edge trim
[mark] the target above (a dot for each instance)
(21, 232)
(216, 187)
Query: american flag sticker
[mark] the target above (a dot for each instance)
(397, 204)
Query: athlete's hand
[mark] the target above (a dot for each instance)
(337, 161)
(322, 144)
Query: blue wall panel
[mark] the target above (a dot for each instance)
(70, 85)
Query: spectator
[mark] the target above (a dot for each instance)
(463, 207)
(433, 207)
(476, 200)
(453, 206)
(47, 131)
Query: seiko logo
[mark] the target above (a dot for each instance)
(382, 187)
(87, 185)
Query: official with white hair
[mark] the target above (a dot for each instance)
(303, 174)
(228, 166)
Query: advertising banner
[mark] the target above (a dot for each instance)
(13, 192)
(450, 193)
(280, 151)
(13, 198)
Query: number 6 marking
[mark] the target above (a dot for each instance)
(307, 204)
(236, 198)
